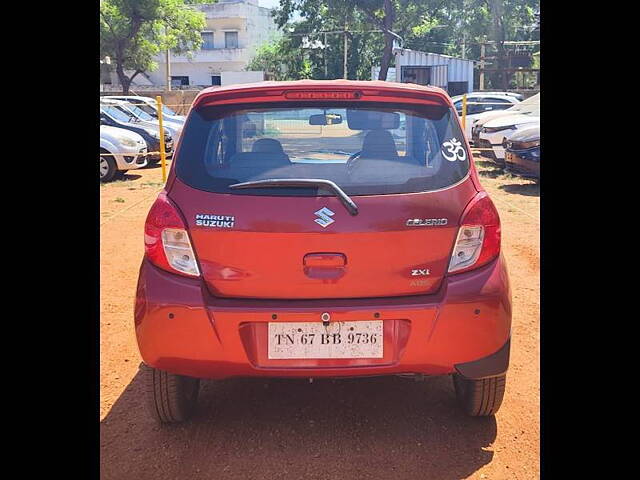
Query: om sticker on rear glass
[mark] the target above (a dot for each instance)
(453, 150)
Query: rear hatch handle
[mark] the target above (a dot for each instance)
(349, 204)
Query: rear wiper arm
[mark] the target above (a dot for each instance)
(349, 204)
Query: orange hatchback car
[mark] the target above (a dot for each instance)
(322, 229)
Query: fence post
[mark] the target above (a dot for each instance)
(464, 113)
(163, 155)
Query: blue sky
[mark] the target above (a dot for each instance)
(275, 3)
(269, 3)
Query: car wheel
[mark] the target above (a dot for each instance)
(479, 398)
(170, 398)
(108, 168)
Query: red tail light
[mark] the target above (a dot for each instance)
(478, 240)
(166, 240)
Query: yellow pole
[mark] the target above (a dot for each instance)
(464, 112)
(163, 155)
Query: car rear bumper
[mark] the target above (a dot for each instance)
(464, 328)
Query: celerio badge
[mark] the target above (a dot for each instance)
(325, 217)
(426, 222)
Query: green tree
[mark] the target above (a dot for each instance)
(452, 27)
(281, 59)
(133, 32)
(325, 51)
(373, 26)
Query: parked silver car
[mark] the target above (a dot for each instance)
(120, 150)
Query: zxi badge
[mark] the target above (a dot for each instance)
(325, 217)
(420, 271)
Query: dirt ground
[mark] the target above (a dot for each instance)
(378, 428)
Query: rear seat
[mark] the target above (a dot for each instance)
(267, 154)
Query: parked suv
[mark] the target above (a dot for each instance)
(315, 247)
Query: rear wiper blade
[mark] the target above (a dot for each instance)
(349, 204)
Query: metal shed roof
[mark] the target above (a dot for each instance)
(459, 69)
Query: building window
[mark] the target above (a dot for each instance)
(230, 39)
(216, 80)
(207, 40)
(179, 81)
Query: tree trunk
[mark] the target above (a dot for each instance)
(387, 53)
(499, 37)
(125, 81)
(355, 56)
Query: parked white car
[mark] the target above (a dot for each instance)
(120, 150)
(144, 118)
(481, 102)
(530, 106)
(150, 106)
(494, 132)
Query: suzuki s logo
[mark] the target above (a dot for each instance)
(325, 217)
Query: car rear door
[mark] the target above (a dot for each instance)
(278, 246)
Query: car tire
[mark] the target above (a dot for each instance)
(170, 398)
(108, 168)
(479, 398)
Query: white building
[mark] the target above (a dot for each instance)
(234, 30)
(455, 75)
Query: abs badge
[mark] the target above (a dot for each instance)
(215, 221)
(454, 150)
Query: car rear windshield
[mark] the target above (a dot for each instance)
(377, 149)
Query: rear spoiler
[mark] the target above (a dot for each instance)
(305, 93)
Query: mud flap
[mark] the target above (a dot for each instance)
(492, 366)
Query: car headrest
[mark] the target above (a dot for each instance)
(267, 145)
(379, 144)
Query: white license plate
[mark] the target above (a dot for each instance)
(314, 340)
